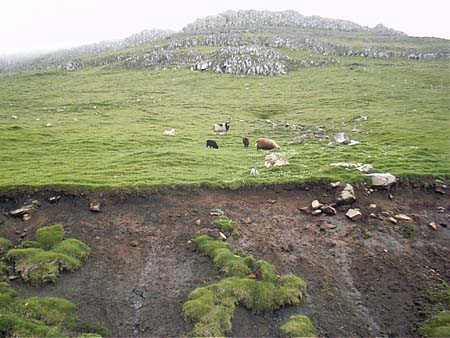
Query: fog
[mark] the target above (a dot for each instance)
(43, 25)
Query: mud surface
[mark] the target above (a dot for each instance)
(369, 277)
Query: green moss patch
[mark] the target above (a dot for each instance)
(39, 317)
(225, 224)
(298, 326)
(39, 262)
(436, 326)
(249, 283)
(5, 244)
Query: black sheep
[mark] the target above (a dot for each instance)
(211, 144)
(245, 142)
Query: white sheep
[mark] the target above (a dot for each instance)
(170, 132)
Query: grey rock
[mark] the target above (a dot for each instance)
(354, 214)
(341, 138)
(328, 209)
(316, 212)
(347, 195)
(381, 179)
(316, 204)
(216, 212)
(392, 220)
(403, 217)
(94, 206)
(335, 184)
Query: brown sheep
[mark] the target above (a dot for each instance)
(266, 144)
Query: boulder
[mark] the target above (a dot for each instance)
(353, 214)
(341, 138)
(347, 195)
(381, 179)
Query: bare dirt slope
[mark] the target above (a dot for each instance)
(369, 277)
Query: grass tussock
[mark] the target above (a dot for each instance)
(5, 244)
(249, 283)
(40, 317)
(40, 262)
(298, 326)
(436, 326)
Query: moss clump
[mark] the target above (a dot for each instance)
(49, 236)
(212, 307)
(225, 224)
(29, 244)
(436, 326)
(5, 244)
(38, 266)
(298, 326)
(37, 317)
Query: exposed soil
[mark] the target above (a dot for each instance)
(370, 277)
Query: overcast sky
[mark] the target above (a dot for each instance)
(30, 25)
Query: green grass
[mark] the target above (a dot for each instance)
(298, 326)
(436, 326)
(5, 244)
(120, 142)
(40, 317)
(249, 283)
(41, 261)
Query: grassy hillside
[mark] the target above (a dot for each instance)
(108, 124)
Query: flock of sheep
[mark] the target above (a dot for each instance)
(222, 128)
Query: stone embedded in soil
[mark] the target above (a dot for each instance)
(381, 179)
(222, 235)
(54, 199)
(347, 195)
(372, 215)
(316, 204)
(26, 209)
(392, 220)
(354, 214)
(247, 220)
(372, 206)
(329, 210)
(316, 212)
(305, 210)
(335, 184)
(403, 217)
(216, 212)
(94, 206)
(327, 226)
(433, 226)
(440, 209)
(26, 217)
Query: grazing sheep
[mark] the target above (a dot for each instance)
(211, 144)
(245, 142)
(254, 171)
(170, 132)
(266, 144)
(221, 127)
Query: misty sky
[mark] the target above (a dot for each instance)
(30, 25)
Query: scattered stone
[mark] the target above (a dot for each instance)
(361, 118)
(440, 209)
(347, 195)
(372, 215)
(49, 124)
(364, 168)
(327, 226)
(254, 171)
(94, 206)
(198, 222)
(354, 214)
(222, 235)
(316, 212)
(342, 138)
(54, 199)
(439, 190)
(433, 225)
(216, 212)
(372, 206)
(26, 217)
(392, 220)
(353, 143)
(247, 220)
(25, 209)
(391, 197)
(403, 217)
(271, 201)
(328, 209)
(14, 117)
(386, 213)
(316, 204)
(352, 165)
(134, 243)
(381, 179)
(335, 184)
(274, 160)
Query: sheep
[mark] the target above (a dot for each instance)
(211, 144)
(266, 144)
(170, 132)
(245, 142)
(221, 127)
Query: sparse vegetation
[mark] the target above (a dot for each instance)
(298, 326)
(212, 307)
(41, 261)
(5, 244)
(225, 224)
(39, 317)
(436, 326)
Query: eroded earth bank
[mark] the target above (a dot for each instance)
(366, 277)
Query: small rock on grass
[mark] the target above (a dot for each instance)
(354, 214)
